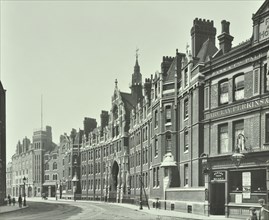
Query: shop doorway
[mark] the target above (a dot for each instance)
(217, 199)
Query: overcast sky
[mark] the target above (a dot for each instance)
(72, 52)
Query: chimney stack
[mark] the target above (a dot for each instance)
(89, 125)
(165, 65)
(225, 39)
(201, 31)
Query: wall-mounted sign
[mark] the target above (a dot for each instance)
(218, 175)
(264, 29)
(238, 108)
(238, 198)
(246, 184)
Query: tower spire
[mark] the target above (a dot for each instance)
(136, 55)
(41, 112)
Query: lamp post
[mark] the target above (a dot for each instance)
(24, 194)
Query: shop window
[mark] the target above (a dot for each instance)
(186, 108)
(223, 138)
(186, 141)
(257, 181)
(267, 128)
(238, 129)
(239, 87)
(186, 175)
(168, 112)
(223, 92)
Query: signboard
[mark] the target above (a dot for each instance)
(264, 29)
(238, 108)
(218, 175)
(246, 184)
(238, 198)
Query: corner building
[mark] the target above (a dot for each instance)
(236, 121)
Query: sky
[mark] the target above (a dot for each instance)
(71, 52)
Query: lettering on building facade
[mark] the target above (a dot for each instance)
(239, 63)
(264, 29)
(238, 108)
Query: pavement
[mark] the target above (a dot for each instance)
(160, 213)
(11, 208)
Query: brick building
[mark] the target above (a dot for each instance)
(193, 137)
(2, 144)
(236, 120)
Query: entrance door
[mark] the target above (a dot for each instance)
(114, 184)
(217, 202)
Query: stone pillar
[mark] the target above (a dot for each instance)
(119, 184)
(108, 179)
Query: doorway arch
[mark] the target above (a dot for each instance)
(115, 173)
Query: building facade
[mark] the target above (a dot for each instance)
(193, 137)
(2, 144)
(236, 120)
(27, 163)
(9, 179)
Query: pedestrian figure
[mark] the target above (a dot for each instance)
(13, 201)
(264, 213)
(9, 199)
(253, 214)
(20, 201)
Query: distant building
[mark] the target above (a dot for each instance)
(9, 179)
(2, 144)
(28, 163)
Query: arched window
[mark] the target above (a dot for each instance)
(223, 92)
(54, 166)
(239, 86)
(47, 167)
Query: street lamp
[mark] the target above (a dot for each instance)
(24, 181)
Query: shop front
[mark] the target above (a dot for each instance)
(233, 190)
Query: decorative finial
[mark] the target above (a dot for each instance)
(116, 83)
(187, 49)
